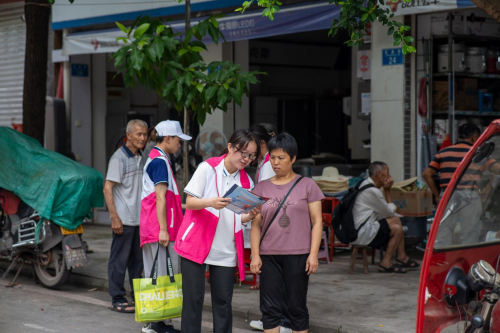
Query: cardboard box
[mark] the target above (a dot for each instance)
(460, 102)
(440, 101)
(466, 85)
(471, 103)
(413, 204)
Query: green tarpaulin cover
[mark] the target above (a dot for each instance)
(60, 189)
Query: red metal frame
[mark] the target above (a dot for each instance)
(434, 315)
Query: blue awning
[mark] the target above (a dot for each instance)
(251, 25)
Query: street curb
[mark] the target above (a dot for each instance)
(84, 281)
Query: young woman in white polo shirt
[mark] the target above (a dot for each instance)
(213, 235)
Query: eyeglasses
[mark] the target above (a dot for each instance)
(246, 155)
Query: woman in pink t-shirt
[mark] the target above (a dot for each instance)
(288, 253)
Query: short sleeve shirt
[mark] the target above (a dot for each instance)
(125, 170)
(223, 250)
(290, 233)
(157, 171)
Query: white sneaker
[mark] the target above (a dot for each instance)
(257, 324)
(285, 330)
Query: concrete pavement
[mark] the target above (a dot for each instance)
(337, 301)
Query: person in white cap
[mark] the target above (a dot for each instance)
(161, 212)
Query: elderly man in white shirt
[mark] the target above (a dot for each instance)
(375, 217)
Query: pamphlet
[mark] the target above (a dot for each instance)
(242, 200)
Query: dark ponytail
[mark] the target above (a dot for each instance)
(241, 138)
(261, 133)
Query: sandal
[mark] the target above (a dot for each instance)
(255, 287)
(393, 269)
(122, 307)
(408, 264)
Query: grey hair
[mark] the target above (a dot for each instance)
(374, 167)
(135, 122)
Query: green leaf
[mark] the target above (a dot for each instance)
(158, 47)
(390, 31)
(196, 49)
(150, 51)
(196, 64)
(123, 39)
(178, 91)
(200, 75)
(159, 29)
(175, 65)
(201, 117)
(170, 43)
(364, 17)
(136, 21)
(172, 71)
(221, 96)
(120, 55)
(141, 30)
(235, 95)
(397, 41)
(200, 87)
(203, 28)
(408, 39)
(122, 27)
(169, 88)
(182, 52)
(190, 96)
(210, 92)
(239, 87)
(200, 44)
(226, 86)
(136, 58)
(214, 22)
(214, 33)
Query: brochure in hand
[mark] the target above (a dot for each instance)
(242, 200)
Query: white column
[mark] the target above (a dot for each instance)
(81, 109)
(387, 87)
(99, 100)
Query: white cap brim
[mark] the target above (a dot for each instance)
(184, 137)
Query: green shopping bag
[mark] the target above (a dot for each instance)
(158, 298)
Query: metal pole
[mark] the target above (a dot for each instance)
(451, 97)
(185, 173)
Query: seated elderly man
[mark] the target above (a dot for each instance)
(375, 220)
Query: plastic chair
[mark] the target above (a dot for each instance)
(323, 253)
(327, 206)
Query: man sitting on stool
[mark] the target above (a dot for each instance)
(374, 214)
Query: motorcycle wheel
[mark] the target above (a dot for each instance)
(51, 269)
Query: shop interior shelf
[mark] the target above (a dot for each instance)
(470, 113)
(476, 76)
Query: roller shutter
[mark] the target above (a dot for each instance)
(12, 49)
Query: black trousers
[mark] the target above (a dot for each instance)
(125, 254)
(193, 291)
(283, 279)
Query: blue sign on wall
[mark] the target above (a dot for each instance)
(79, 70)
(391, 57)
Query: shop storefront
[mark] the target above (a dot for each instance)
(458, 55)
(311, 79)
